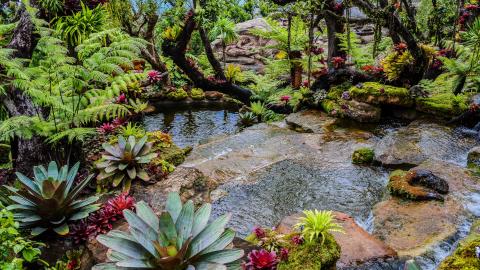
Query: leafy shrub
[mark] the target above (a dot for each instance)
(247, 118)
(76, 28)
(179, 94)
(316, 224)
(160, 139)
(51, 199)
(179, 238)
(14, 249)
(395, 63)
(124, 161)
(197, 94)
(234, 74)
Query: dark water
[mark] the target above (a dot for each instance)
(191, 127)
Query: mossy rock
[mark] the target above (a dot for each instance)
(4, 153)
(443, 104)
(399, 186)
(177, 95)
(332, 107)
(173, 154)
(464, 257)
(313, 256)
(197, 94)
(363, 156)
(381, 94)
(336, 92)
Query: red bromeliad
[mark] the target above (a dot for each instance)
(154, 76)
(261, 260)
(338, 62)
(106, 128)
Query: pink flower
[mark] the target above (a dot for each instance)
(401, 47)
(154, 76)
(297, 240)
(118, 122)
(284, 254)
(259, 232)
(261, 260)
(338, 62)
(285, 98)
(122, 99)
(106, 128)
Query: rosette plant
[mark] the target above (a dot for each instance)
(124, 161)
(316, 224)
(179, 239)
(51, 199)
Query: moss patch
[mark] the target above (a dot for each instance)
(332, 107)
(377, 93)
(446, 104)
(4, 153)
(179, 94)
(312, 256)
(363, 156)
(197, 94)
(399, 186)
(173, 154)
(464, 257)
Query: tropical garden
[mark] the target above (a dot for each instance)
(239, 134)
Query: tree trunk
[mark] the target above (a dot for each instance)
(25, 153)
(217, 67)
(176, 50)
(296, 69)
(334, 27)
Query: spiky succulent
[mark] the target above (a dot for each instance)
(124, 161)
(315, 224)
(247, 118)
(177, 240)
(50, 200)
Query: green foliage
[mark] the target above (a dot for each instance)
(137, 106)
(177, 95)
(360, 56)
(234, 74)
(51, 199)
(197, 94)
(465, 256)
(278, 33)
(14, 248)
(442, 19)
(76, 28)
(124, 161)
(224, 29)
(131, 130)
(52, 7)
(180, 238)
(395, 63)
(316, 224)
(258, 108)
(247, 118)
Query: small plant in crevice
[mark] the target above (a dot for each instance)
(51, 199)
(101, 221)
(247, 118)
(316, 224)
(181, 238)
(124, 161)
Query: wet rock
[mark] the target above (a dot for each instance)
(362, 112)
(411, 227)
(473, 158)
(213, 95)
(310, 121)
(427, 179)
(466, 256)
(414, 227)
(363, 156)
(380, 94)
(421, 140)
(358, 247)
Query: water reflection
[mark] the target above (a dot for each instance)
(190, 127)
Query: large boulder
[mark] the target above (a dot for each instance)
(414, 227)
(358, 247)
(362, 112)
(249, 51)
(421, 140)
(381, 94)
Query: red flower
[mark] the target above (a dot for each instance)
(261, 260)
(154, 76)
(297, 240)
(285, 98)
(284, 254)
(471, 7)
(259, 232)
(338, 62)
(119, 122)
(106, 128)
(122, 99)
(401, 47)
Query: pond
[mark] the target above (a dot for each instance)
(189, 127)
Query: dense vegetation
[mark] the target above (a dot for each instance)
(76, 76)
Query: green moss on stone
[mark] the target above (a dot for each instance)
(179, 94)
(464, 257)
(173, 154)
(363, 156)
(336, 92)
(4, 153)
(331, 107)
(446, 104)
(197, 94)
(377, 93)
(313, 256)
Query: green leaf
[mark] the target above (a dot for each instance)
(53, 170)
(28, 183)
(132, 173)
(146, 213)
(136, 222)
(136, 264)
(30, 254)
(139, 145)
(184, 223)
(142, 174)
(39, 173)
(143, 240)
(38, 230)
(201, 219)
(208, 236)
(174, 205)
(223, 256)
(129, 248)
(62, 229)
(167, 226)
(221, 243)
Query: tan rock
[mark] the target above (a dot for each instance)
(213, 95)
(358, 246)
